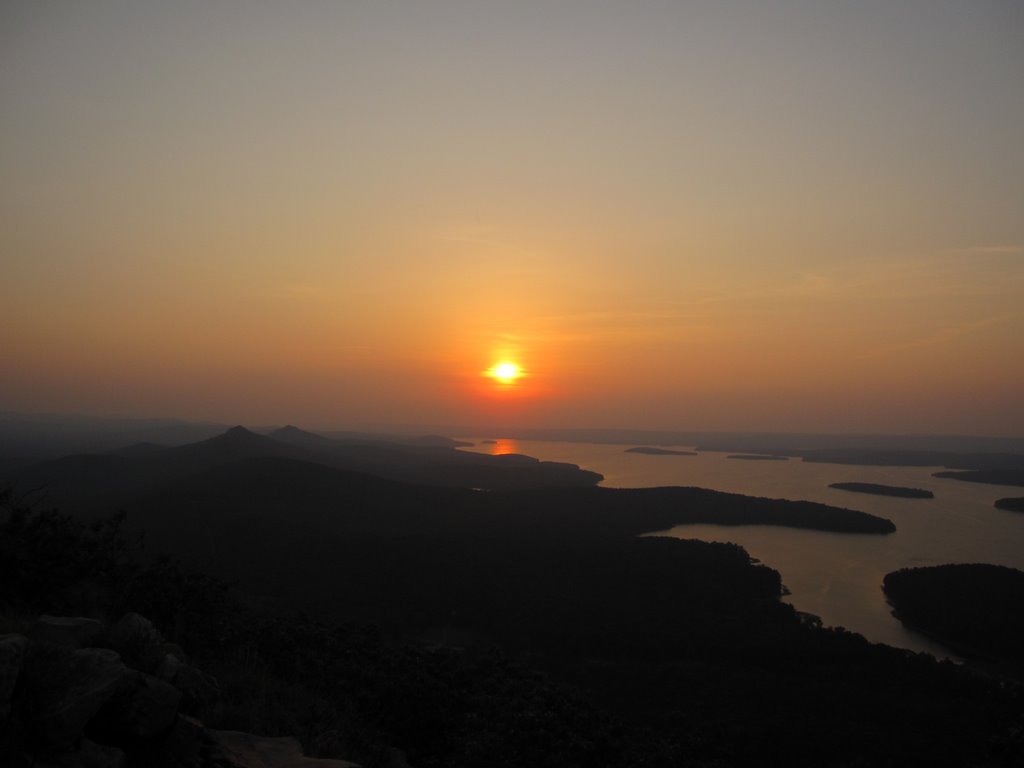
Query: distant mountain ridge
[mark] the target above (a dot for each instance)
(35, 437)
(46, 436)
(102, 480)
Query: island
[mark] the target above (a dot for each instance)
(1011, 505)
(974, 608)
(648, 451)
(884, 490)
(757, 457)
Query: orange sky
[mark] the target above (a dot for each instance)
(732, 216)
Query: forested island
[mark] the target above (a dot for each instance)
(884, 490)
(974, 608)
(757, 457)
(1011, 504)
(649, 451)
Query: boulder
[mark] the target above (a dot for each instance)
(145, 709)
(66, 631)
(138, 641)
(68, 688)
(182, 746)
(99, 756)
(12, 654)
(88, 755)
(394, 758)
(201, 694)
(234, 749)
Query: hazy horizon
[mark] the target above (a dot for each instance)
(708, 216)
(937, 441)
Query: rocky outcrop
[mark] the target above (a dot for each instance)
(66, 689)
(243, 750)
(12, 652)
(75, 694)
(139, 642)
(144, 709)
(67, 631)
(200, 694)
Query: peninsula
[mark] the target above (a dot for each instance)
(990, 476)
(884, 490)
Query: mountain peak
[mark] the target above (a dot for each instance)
(295, 436)
(239, 431)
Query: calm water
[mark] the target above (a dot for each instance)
(835, 576)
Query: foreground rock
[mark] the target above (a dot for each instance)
(243, 750)
(12, 653)
(118, 706)
(67, 631)
(66, 690)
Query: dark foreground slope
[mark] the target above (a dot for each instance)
(417, 560)
(518, 628)
(974, 608)
(541, 650)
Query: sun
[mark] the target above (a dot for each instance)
(504, 372)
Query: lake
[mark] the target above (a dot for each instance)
(832, 575)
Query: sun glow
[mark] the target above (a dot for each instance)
(504, 372)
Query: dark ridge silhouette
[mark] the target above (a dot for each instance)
(421, 440)
(757, 457)
(904, 458)
(295, 436)
(990, 476)
(659, 451)
(236, 443)
(239, 465)
(107, 480)
(50, 436)
(139, 449)
(306, 535)
(1012, 504)
(436, 441)
(973, 608)
(868, 455)
(884, 490)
